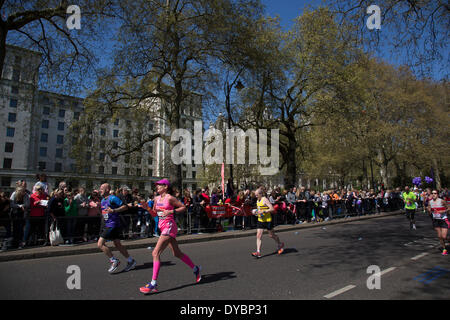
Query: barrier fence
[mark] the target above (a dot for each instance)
(35, 230)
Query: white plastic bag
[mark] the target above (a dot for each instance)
(55, 235)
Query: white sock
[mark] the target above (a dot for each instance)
(130, 259)
(153, 283)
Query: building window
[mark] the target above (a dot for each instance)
(58, 167)
(114, 170)
(150, 172)
(59, 139)
(10, 132)
(46, 110)
(9, 147)
(43, 151)
(42, 165)
(14, 89)
(150, 126)
(6, 181)
(102, 131)
(62, 113)
(17, 60)
(101, 169)
(115, 145)
(44, 137)
(116, 122)
(13, 103)
(16, 75)
(88, 156)
(116, 133)
(102, 143)
(150, 149)
(61, 102)
(138, 172)
(12, 117)
(101, 156)
(59, 153)
(114, 159)
(194, 174)
(7, 163)
(127, 171)
(127, 159)
(61, 126)
(76, 116)
(150, 161)
(45, 124)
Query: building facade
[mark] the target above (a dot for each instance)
(35, 136)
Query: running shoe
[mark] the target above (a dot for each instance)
(256, 254)
(281, 248)
(198, 276)
(445, 252)
(149, 288)
(130, 266)
(114, 265)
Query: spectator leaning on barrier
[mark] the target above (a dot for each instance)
(20, 211)
(71, 208)
(56, 209)
(94, 215)
(82, 202)
(5, 218)
(38, 204)
(127, 199)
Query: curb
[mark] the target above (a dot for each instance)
(47, 252)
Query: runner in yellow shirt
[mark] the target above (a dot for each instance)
(410, 206)
(264, 214)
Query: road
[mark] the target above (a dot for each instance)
(319, 263)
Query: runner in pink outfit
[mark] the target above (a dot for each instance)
(166, 206)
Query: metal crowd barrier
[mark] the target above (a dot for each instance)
(88, 228)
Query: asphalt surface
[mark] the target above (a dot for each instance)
(324, 263)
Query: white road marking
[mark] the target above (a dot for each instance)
(387, 270)
(419, 256)
(338, 292)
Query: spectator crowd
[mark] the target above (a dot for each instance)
(27, 216)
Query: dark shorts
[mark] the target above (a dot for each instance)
(111, 233)
(410, 213)
(440, 223)
(264, 225)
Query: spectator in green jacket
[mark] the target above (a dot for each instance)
(71, 208)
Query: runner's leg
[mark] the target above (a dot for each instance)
(162, 244)
(101, 245)
(259, 234)
(121, 248)
(173, 244)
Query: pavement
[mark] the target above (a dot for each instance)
(87, 248)
(327, 261)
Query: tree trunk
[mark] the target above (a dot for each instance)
(437, 176)
(291, 166)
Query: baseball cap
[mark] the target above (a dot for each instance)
(163, 181)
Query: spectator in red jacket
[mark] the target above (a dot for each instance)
(38, 203)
